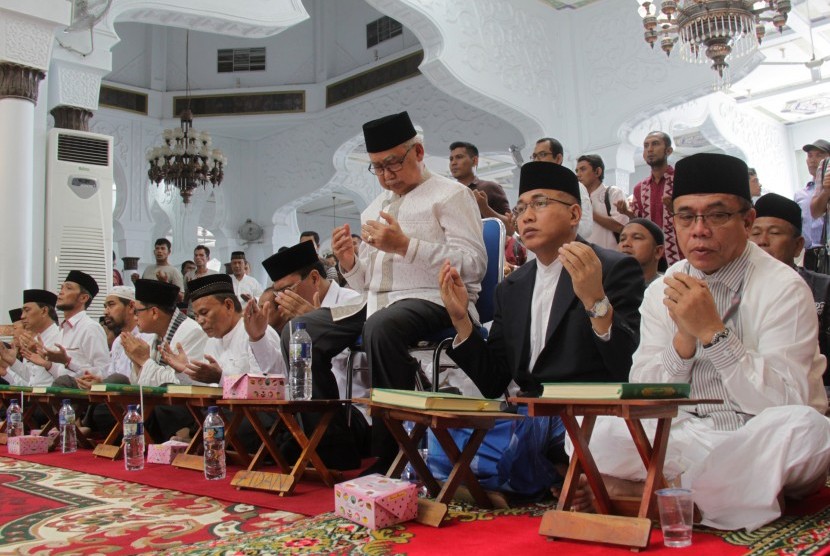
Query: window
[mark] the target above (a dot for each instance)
(381, 30)
(231, 60)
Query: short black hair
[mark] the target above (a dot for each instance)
(471, 149)
(555, 146)
(752, 171)
(164, 241)
(595, 161)
(53, 314)
(204, 248)
(313, 234)
(186, 263)
(663, 135)
(88, 301)
(357, 236)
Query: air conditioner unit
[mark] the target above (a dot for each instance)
(79, 183)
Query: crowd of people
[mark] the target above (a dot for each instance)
(694, 279)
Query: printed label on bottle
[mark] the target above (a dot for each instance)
(133, 429)
(64, 420)
(15, 418)
(214, 433)
(300, 351)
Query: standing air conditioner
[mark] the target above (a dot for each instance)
(79, 183)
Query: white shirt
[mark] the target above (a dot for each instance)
(192, 338)
(232, 353)
(442, 221)
(586, 221)
(26, 373)
(119, 362)
(601, 235)
(247, 286)
(775, 362)
(547, 278)
(86, 345)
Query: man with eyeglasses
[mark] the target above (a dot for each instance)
(548, 149)
(156, 313)
(778, 231)
(572, 315)
(652, 196)
(739, 326)
(417, 222)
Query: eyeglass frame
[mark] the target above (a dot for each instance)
(541, 154)
(706, 218)
(398, 165)
(538, 202)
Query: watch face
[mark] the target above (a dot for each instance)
(600, 309)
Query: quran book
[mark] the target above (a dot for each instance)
(13, 388)
(59, 391)
(616, 390)
(433, 400)
(195, 390)
(129, 389)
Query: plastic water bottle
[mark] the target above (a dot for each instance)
(66, 423)
(214, 434)
(299, 371)
(133, 439)
(14, 420)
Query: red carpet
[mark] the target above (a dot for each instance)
(310, 497)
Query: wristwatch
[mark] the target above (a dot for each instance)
(722, 335)
(600, 308)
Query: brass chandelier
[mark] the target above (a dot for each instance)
(711, 30)
(186, 160)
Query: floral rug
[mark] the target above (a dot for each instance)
(47, 510)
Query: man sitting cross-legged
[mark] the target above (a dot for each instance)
(741, 327)
(569, 316)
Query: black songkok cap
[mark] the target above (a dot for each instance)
(15, 314)
(547, 175)
(388, 132)
(238, 255)
(158, 293)
(40, 296)
(210, 285)
(711, 173)
(778, 206)
(294, 259)
(84, 280)
(652, 228)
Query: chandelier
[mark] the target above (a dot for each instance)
(711, 30)
(186, 160)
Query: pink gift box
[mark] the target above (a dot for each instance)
(375, 501)
(166, 452)
(253, 387)
(23, 445)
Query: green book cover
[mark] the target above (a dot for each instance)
(616, 390)
(129, 389)
(13, 388)
(59, 391)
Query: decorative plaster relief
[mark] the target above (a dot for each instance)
(77, 87)
(26, 42)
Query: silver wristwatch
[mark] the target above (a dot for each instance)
(600, 308)
(722, 335)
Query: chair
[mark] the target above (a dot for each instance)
(494, 237)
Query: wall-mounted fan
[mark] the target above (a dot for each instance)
(85, 14)
(250, 231)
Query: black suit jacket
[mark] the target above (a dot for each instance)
(820, 286)
(572, 351)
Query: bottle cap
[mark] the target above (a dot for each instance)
(65, 402)
(132, 407)
(299, 326)
(213, 409)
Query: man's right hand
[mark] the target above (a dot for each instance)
(455, 298)
(341, 245)
(7, 355)
(623, 208)
(256, 319)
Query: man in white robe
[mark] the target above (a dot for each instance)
(40, 323)
(741, 327)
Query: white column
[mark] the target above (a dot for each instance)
(16, 190)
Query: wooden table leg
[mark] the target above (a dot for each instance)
(309, 445)
(244, 459)
(461, 470)
(409, 451)
(654, 465)
(580, 438)
(400, 461)
(266, 436)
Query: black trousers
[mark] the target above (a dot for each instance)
(387, 336)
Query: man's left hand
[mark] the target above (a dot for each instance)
(481, 200)
(586, 272)
(57, 355)
(386, 237)
(204, 371)
(136, 349)
(692, 307)
(293, 305)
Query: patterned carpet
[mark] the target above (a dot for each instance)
(47, 510)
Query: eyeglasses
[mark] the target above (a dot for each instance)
(714, 219)
(540, 155)
(141, 309)
(537, 203)
(290, 288)
(393, 167)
